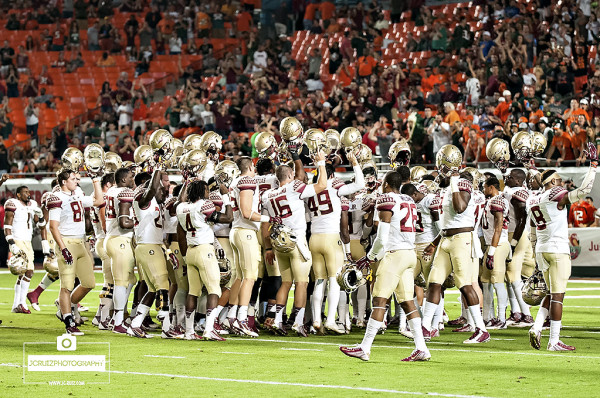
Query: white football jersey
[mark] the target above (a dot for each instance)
(23, 218)
(287, 202)
(449, 217)
(552, 226)
(325, 209)
(496, 204)
(220, 230)
(169, 223)
(241, 184)
(403, 222)
(356, 216)
(426, 230)
(96, 223)
(112, 198)
(69, 210)
(436, 206)
(192, 218)
(519, 193)
(479, 199)
(266, 182)
(148, 220)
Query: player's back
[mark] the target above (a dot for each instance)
(326, 209)
(192, 218)
(244, 183)
(149, 220)
(403, 222)
(113, 197)
(285, 202)
(496, 204)
(551, 222)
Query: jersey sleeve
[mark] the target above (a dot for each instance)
(299, 186)
(385, 203)
(126, 195)
(521, 195)
(207, 208)
(170, 202)
(465, 185)
(557, 193)
(246, 183)
(436, 203)
(345, 204)
(53, 202)
(337, 183)
(498, 204)
(10, 205)
(87, 201)
(216, 199)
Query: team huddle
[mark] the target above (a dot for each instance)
(218, 253)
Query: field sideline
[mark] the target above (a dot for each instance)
(290, 366)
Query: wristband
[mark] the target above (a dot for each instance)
(432, 244)
(9, 238)
(226, 201)
(42, 223)
(454, 184)
(514, 242)
(346, 248)
(491, 250)
(264, 218)
(96, 179)
(8, 226)
(45, 246)
(295, 156)
(321, 163)
(268, 248)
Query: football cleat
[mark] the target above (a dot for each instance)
(137, 332)
(356, 352)
(465, 328)
(104, 325)
(73, 331)
(213, 335)
(441, 326)
(527, 320)
(560, 346)
(172, 333)
(514, 318)
(333, 327)
(494, 324)
(150, 324)
(502, 325)
(426, 334)
(96, 321)
(279, 328)
(406, 333)
(460, 321)
(17, 310)
(535, 338)
(252, 324)
(417, 355)
(193, 336)
(83, 308)
(445, 317)
(34, 301)
(319, 328)
(245, 330)
(23, 309)
(220, 329)
(300, 330)
(119, 329)
(478, 337)
(361, 324)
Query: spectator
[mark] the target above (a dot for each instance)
(112, 134)
(12, 82)
(203, 24)
(7, 54)
(125, 147)
(366, 64)
(106, 60)
(22, 60)
(581, 213)
(439, 132)
(32, 113)
(93, 33)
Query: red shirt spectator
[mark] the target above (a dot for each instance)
(327, 9)
(581, 213)
(244, 21)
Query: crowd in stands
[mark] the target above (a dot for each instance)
(456, 73)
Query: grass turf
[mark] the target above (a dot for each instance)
(291, 366)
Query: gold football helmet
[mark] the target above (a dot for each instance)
(535, 289)
(334, 139)
(192, 141)
(538, 143)
(363, 153)
(144, 158)
(193, 163)
(51, 264)
(399, 154)
(432, 186)
(498, 152)
(478, 177)
(160, 141)
(350, 138)
(211, 144)
(17, 263)
(225, 270)
(448, 159)
(226, 171)
(176, 153)
(72, 159)
(290, 129)
(417, 173)
(316, 141)
(266, 145)
(350, 278)
(112, 162)
(369, 169)
(283, 238)
(283, 154)
(128, 164)
(93, 157)
(521, 144)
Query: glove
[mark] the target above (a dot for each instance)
(349, 256)
(592, 153)
(489, 262)
(174, 260)
(220, 253)
(363, 263)
(67, 256)
(92, 242)
(45, 248)
(14, 249)
(275, 220)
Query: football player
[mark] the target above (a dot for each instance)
(549, 212)
(148, 211)
(20, 214)
(194, 213)
(356, 214)
(118, 245)
(394, 245)
(325, 243)
(522, 262)
(285, 206)
(67, 225)
(454, 253)
(99, 223)
(495, 232)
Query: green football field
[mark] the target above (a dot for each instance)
(291, 366)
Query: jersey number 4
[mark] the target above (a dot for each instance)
(322, 204)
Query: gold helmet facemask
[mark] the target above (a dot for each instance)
(211, 143)
(192, 141)
(266, 145)
(72, 159)
(316, 141)
(498, 152)
(225, 172)
(290, 129)
(350, 138)
(399, 154)
(538, 143)
(448, 160)
(143, 158)
(93, 157)
(417, 173)
(112, 162)
(521, 144)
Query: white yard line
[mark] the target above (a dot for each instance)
(306, 385)
(163, 356)
(300, 349)
(233, 352)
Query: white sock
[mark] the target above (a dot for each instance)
(24, 290)
(128, 290)
(439, 315)
(476, 314)
(211, 316)
(242, 314)
(512, 299)
(428, 314)
(279, 316)
(166, 324)
(140, 313)
(361, 298)
(554, 332)
(488, 298)
(342, 308)
(189, 322)
(75, 311)
(416, 301)
(317, 300)
(540, 319)
(119, 301)
(300, 317)
(417, 331)
(470, 319)
(46, 282)
(502, 300)
(373, 327)
(17, 298)
(463, 306)
(222, 315)
(333, 299)
(251, 310)
(402, 319)
(232, 313)
(517, 288)
(104, 308)
(179, 303)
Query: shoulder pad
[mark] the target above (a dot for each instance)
(207, 208)
(53, 202)
(521, 195)
(216, 198)
(137, 194)
(298, 186)
(126, 195)
(465, 185)
(385, 202)
(557, 193)
(345, 204)
(246, 183)
(498, 203)
(10, 205)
